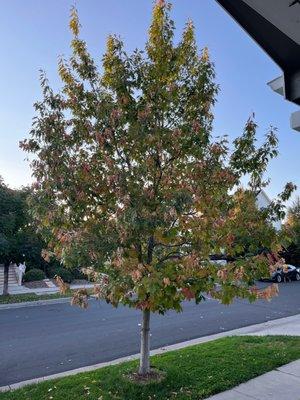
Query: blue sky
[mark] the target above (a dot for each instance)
(34, 32)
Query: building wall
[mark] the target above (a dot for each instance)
(264, 201)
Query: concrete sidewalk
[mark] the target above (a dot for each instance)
(55, 289)
(280, 384)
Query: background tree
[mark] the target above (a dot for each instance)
(19, 241)
(12, 221)
(131, 184)
(293, 213)
(291, 232)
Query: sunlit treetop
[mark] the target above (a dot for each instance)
(131, 184)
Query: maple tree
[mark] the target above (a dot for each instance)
(131, 184)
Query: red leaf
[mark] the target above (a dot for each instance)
(188, 293)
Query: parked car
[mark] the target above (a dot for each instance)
(220, 260)
(288, 272)
(219, 263)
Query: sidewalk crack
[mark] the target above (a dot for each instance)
(244, 394)
(287, 373)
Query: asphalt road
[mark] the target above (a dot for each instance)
(43, 340)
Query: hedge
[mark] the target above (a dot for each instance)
(34, 275)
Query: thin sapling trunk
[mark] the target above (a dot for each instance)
(145, 344)
(5, 282)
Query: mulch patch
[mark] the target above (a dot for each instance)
(155, 376)
(35, 284)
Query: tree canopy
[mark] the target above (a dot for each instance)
(291, 231)
(293, 213)
(19, 240)
(12, 220)
(131, 183)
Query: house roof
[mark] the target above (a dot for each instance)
(275, 26)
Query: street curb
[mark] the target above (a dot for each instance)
(248, 330)
(34, 303)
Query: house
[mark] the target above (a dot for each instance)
(275, 26)
(264, 201)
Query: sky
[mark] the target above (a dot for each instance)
(35, 32)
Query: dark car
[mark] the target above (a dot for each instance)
(287, 273)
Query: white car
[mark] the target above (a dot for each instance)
(287, 272)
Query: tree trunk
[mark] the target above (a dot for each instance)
(5, 283)
(145, 344)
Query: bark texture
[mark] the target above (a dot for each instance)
(5, 283)
(145, 344)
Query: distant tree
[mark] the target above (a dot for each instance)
(291, 232)
(12, 221)
(293, 214)
(32, 245)
(131, 184)
(19, 240)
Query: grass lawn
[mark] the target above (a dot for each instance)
(20, 298)
(192, 373)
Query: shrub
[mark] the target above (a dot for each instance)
(77, 274)
(51, 271)
(65, 274)
(31, 265)
(34, 275)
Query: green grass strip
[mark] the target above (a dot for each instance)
(20, 298)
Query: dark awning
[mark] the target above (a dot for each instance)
(275, 26)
